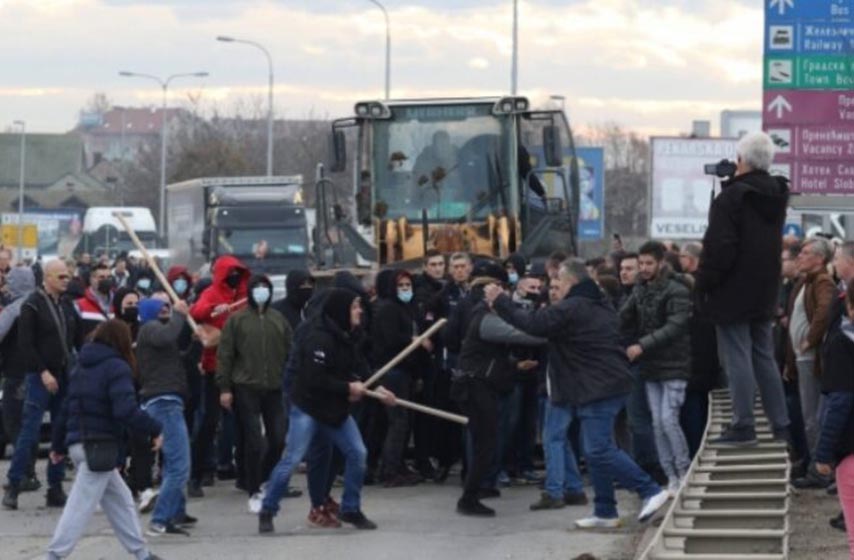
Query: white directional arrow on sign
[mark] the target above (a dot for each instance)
(781, 5)
(780, 105)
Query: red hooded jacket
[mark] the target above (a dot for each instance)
(218, 293)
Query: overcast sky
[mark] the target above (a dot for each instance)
(650, 65)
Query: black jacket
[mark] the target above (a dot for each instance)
(487, 351)
(658, 312)
(739, 272)
(836, 440)
(329, 362)
(392, 330)
(586, 361)
(39, 340)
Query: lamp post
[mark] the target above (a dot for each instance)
(387, 48)
(226, 39)
(164, 85)
(514, 68)
(23, 126)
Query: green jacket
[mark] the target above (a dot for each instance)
(658, 314)
(253, 349)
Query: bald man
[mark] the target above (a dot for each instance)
(47, 328)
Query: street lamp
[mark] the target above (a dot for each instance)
(387, 48)
(23, 126)
(226, 39)
(514, 69)
(164, 85)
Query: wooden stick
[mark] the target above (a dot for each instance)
(425, 409)
(152, 264)
(416, 342)
(231, 307)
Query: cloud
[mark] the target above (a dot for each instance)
(688, 58)
(478, 63)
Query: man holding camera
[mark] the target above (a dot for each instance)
(737, 284)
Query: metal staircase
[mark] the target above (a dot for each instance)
(734, 503)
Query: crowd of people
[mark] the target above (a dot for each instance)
(157, 392)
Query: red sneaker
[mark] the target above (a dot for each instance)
(319, 517)
(332, 507)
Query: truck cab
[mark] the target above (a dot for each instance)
(457, 175)
(260, 220)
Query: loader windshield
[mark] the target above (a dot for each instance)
(450, 160)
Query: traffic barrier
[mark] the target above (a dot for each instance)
(734, 503)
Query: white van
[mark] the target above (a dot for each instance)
(103, 233)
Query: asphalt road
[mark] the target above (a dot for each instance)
(414, 524)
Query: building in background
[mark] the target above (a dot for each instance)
(735, 124)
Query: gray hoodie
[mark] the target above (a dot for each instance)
(21, 282)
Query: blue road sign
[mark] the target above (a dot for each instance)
(791, 38)
(826, 10)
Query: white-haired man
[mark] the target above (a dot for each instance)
(737, 284)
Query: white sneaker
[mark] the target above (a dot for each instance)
(147, 500)
(652, 505)
(594, 522)
(255, 502)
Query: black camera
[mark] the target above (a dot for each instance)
(723, 169)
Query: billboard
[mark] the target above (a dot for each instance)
(591, 173)
(58, 230)
(680, 192)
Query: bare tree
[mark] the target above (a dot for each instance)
(626, 178)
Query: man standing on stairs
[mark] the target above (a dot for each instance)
(737, 285)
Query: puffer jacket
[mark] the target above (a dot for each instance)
(101, 400)
(659, 313)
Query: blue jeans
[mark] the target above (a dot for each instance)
(36, 402)
(693, 418)
(171, 502)
(301, 432)
(605, 462)
(319, 464)
(562, 476)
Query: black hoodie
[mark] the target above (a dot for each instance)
(294, 302)
(739, 274)
(394, 326)
(329, 359)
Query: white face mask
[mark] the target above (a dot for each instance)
(261, 295)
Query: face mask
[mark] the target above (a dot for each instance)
(513, 277)
(105, 285)
(404, 295)
(130, 315)
(233, 280)
(532, 297)
(261, 295)
(302, 295)
(179, 285)
(143, 284)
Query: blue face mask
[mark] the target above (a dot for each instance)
(179, 285)
(404, 295)
(261, 295)
(513, 277)
(143, 284)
